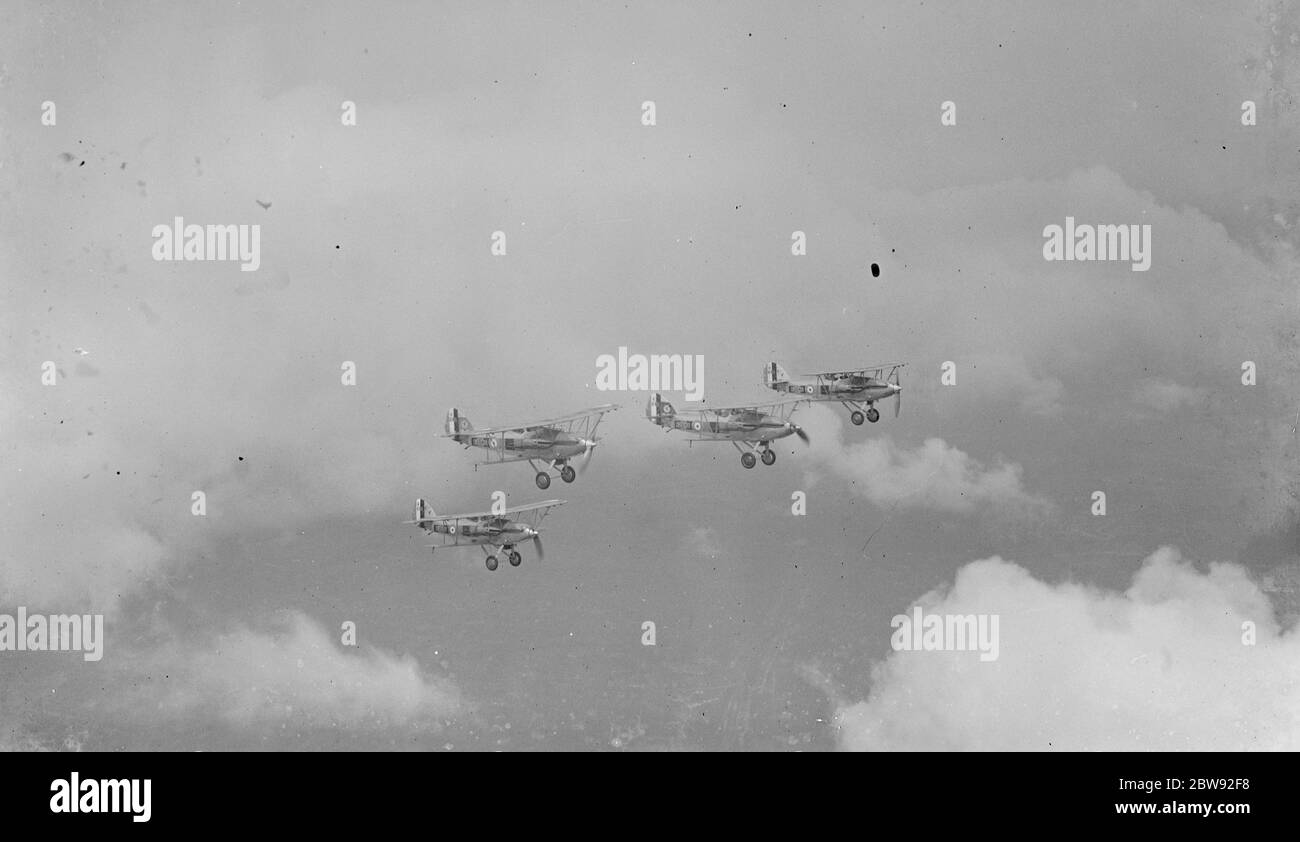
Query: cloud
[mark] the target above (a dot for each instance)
(1167, 396)
(298, 673)
(1008, 377)
(76, 537)
(1159, 667)
(220, 364)
(934, 475)
(14, 738)
(703, 541)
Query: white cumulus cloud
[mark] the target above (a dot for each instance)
(1166, 395)
(300, 673)
(934, 475)
(1161, 666)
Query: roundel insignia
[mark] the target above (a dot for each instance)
(697, 425)
(808, 389)
(453, 528)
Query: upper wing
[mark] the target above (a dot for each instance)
(545, 504)
(563, 422)
(505, 513)
(534, 512)
(870, 369)
(581, 415)
(757, 410)
(478, 432)
(467, 516)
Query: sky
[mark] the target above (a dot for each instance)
(773, 631)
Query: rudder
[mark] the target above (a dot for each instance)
(774, 376)
(457, 425)
(659, 410)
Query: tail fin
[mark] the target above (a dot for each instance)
(774, 377)
(457, 424)
(422, 510)
(659, 410)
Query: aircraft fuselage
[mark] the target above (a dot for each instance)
(840, 390)
(762, 428)
(471, 531)
(548, 447)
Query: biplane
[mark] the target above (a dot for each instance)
(489, 530)
(748, 428)
(551, 443)
(857, 390)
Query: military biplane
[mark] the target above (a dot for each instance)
(551, 443)
(857, 390)
(748, 428)
(489, 530)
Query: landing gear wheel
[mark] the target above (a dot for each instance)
(514, 558)
(857, 417)
(543, 481)
(491, 562)
(873, 415)
(769, 456)
(568, 474)
(748, 460)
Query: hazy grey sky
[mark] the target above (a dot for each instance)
(773, 630)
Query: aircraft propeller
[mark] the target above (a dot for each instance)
(588, 449)
(537, 542)
(898, 395)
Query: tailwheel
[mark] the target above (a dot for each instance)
(514, 558)
(747, 459)
(873, 415)
(568, 474)
(769, 456)
(857, 417)
(491, 562)
(543, 481)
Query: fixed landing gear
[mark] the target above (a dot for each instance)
(511, 554)
(856, 415)
(543, 478)
(751, 452)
